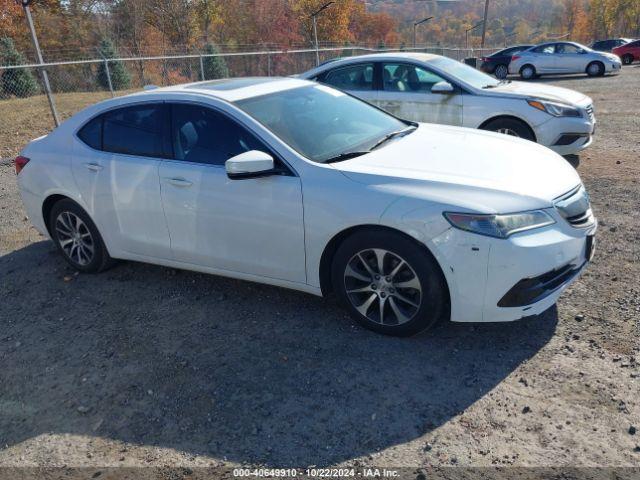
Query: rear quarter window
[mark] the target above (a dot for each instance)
(91, 133)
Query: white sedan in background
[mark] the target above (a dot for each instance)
(435, 89)
(555, 58)
(295, 184)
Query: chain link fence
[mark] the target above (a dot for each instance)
(25, 112)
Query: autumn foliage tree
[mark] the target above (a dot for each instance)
(74, 29)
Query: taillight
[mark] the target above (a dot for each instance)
(515, 57)
(20, 163)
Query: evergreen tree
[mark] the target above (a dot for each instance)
(119, 76)
(15, 81)
(214, 67)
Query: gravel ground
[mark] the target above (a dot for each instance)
(145, 365)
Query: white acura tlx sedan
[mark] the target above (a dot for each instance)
(295, 184)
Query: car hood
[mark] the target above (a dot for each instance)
(472, 169)
(544, 92)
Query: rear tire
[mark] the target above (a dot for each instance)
(528, 72)
(627, 59)
(501, 71)
(77, 238)
(389, 283)
(510, 126)
(595, 69)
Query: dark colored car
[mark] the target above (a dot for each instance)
(628, 52)
(609, 44)
(498, 63)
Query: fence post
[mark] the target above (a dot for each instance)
(268, 64)
(108, 72)
(201, 69)
(43, 72)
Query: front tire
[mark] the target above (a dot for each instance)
(501, 72)
(510, 126)
(389, 283)
(528, 72)
(77, 238)
(627, 59)
(595, 69)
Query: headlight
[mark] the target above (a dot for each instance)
(499, 226)
(555, 109)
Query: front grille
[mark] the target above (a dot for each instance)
(575, 207)
(590, 113)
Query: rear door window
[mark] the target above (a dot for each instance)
(136, 130)
(354, 77)
(545, 49)
(567, 48)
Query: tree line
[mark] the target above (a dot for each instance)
(79, 29)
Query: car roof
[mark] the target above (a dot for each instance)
(399, 56)
(524, 45)
(231, 89)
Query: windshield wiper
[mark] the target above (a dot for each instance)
(490, 86)
(391, 135)
(345, 156)
(357, 153)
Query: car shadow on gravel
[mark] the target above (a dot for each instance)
(564, 78)
(228, 369)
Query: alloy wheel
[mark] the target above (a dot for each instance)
(527, 73)
(594, 69)
(501, 72)
(75, 238)
(382, 287)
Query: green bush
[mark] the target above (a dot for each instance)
(119, 76)
(15, 81)
(214, 67)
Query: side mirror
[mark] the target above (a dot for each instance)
(442, 87)
(251, 164)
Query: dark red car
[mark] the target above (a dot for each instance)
(629, 52)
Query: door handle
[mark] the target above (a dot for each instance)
(179, 182)
(94, 167)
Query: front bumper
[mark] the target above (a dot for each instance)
(613, 67)
(556, 130)
(482, 271)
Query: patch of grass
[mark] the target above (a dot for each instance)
(23, 119)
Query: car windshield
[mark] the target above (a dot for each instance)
(322, 123)
(465, 73)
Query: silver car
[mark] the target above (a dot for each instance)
(434, 89)
(563, 57)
